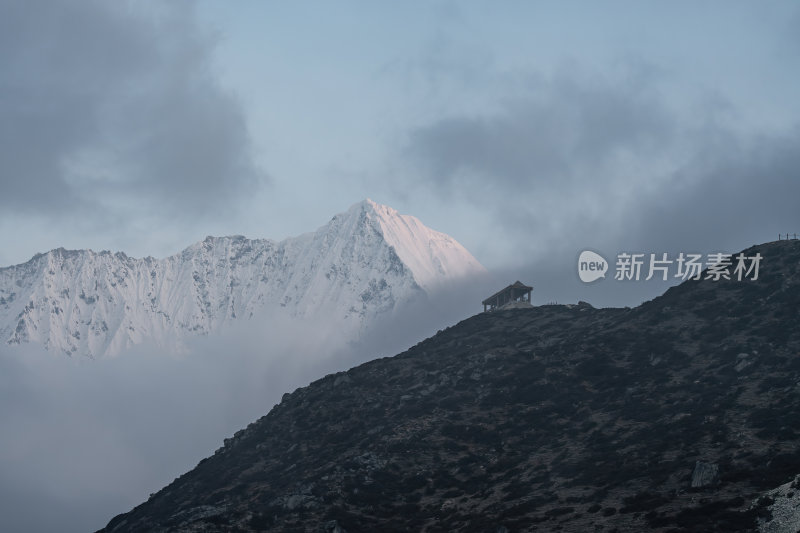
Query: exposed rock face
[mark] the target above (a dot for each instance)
(780, 509)
(705, 474)
(550, 418)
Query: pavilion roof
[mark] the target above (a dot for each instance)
(516, 285)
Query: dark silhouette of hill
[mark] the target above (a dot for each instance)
(675, 415)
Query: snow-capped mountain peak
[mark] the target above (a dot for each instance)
(433, 257)
(362, 263)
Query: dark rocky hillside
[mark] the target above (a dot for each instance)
(677, 415)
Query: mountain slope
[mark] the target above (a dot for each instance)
(362, 263)
(672, 416)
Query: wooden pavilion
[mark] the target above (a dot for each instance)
(517, 293)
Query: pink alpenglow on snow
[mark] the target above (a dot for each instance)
(363, 263)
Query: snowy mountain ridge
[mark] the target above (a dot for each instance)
(364, 262)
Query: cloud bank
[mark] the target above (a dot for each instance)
(87, 441)
(583, 160)
(112, 108)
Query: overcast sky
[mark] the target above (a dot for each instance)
(527, 130)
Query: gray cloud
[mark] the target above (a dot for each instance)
(737, 195)
(107, 108)
(559, 129)
(585, 161)
(723, 200)
(593, 162)
(556, 162)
